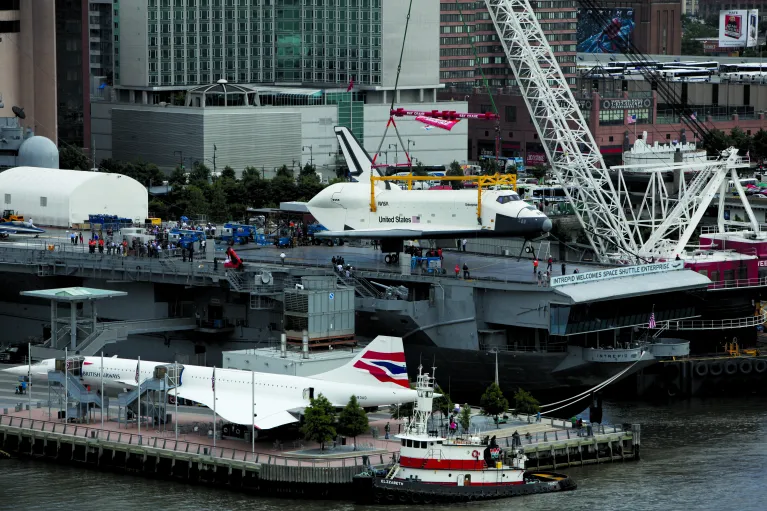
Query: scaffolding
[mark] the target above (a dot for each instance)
(148, 402)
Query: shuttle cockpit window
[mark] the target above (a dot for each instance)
(503, 199)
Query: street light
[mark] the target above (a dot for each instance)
(180, 157)
(396, 153)
(311, 155)
(409, 156)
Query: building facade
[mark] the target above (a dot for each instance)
(28, 64)
(609, 114)
(711, 8)
(466, 21)
(175, 43)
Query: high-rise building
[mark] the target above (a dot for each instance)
(173, 43)
(657, 23)
(711, 8)
(28, 63)
(100, 35)
(72, 70)
(464, 22)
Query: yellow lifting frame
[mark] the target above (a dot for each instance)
(482, 182)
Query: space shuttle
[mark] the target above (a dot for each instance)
(344, 208)
(377, 376)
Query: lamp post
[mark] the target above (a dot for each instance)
(180, 158)
(311, 155)
(214, 157)
(396, 153)
(409, 156)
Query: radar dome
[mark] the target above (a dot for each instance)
(38, 152)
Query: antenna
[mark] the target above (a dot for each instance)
(19, 112)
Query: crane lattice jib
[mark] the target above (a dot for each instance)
(569, 145)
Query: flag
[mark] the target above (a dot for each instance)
(416, 219)
(652, 319)
(351, 84)
(213, 380)
(631, 119)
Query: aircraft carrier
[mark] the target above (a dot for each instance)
(554, 341)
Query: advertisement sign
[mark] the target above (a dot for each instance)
(738, 28)
(624, 271)
(533, 158)
(605, 30)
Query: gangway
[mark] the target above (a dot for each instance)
(66, 389)
(149, 399)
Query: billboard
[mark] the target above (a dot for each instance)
(604, 30)
(738, 28)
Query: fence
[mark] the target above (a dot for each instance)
(161, 441)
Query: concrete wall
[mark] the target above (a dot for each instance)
(153, 134)
(420, 64)
(265, 137)
(433, 147)
(133, 43)
(139, 304)
(28, 66)
(101, 128)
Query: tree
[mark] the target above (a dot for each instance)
(200, 175)
(493, 403)
(455, 170)
(319, 421)
(228, 173)
(73, 158)
(490, 166)
(443, 404)
(284, 171)
(538, 172)
(281, 189)
(740, 140)
(464, 418)
(308, 170)
(177, 177)
(219, 209)
(353, 420)
(715, 142)
(524, 402)
(112, 166)
(694, 31)
(419, 170)
(760, 144)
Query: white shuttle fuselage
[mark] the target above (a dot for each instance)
(437, 213)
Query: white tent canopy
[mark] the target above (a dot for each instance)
(60, 198)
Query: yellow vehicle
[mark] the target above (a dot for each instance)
(153, 221)
(9, 215)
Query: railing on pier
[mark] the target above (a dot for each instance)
(713, 324)
(166, 441)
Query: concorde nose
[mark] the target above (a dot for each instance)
(22, 370)
(547, 225)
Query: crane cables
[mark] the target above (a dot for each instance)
(633, 53)
(394, 96)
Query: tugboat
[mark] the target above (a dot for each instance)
(435, 469)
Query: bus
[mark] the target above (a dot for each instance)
(711, 65)
(685, 75)
(743, 67)
(745, 76)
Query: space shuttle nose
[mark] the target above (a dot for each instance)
(547, 225)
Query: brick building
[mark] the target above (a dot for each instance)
(607, 112)
(459, 68)
(657, 24)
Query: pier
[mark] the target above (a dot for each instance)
(294, 468)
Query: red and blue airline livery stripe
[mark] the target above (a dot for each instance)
(385, 367)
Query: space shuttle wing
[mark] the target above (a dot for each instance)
(424, 231)
(235, 407)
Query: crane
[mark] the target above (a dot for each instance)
(615, 231)
(562, 129)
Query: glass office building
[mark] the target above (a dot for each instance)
(191, 42)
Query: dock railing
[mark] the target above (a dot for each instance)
(166, 441)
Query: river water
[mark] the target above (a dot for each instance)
(696, 455)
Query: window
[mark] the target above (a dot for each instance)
(43, 202)
(511, 114)
(7, 198)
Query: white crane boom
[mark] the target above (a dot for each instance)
(569, 145)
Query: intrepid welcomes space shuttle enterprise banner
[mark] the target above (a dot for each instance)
(621, 271)
(738, 28)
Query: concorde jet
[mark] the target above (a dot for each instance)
(345, 209)
(377, 376)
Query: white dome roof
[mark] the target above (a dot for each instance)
(38, 152)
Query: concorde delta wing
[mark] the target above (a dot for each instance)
(234, 406)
